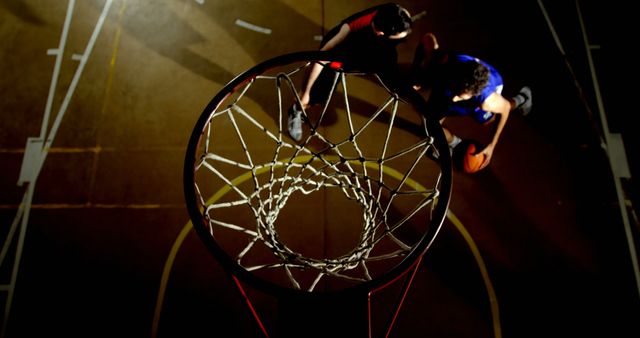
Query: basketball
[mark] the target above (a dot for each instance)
(465, 158)
(472, 161)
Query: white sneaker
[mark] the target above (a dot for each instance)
(525, 107)
(294, 123)
(454, 142)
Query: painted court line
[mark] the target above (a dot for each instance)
(253, 27)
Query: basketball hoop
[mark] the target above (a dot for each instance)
(347, 210)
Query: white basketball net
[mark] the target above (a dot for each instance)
(253, 181)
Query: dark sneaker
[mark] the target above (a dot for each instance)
(294, 122)
(525, 106)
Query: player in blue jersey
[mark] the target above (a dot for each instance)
(463, 85)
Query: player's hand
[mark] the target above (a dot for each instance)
(487, 152)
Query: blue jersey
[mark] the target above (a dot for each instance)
(472, 106)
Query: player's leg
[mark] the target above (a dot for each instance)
(452, 139)
(319, 94)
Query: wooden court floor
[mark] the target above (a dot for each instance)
(99, 98)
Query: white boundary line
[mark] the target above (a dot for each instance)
(612, 144)
(35, 162)
(253, 27)
(618, 163)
